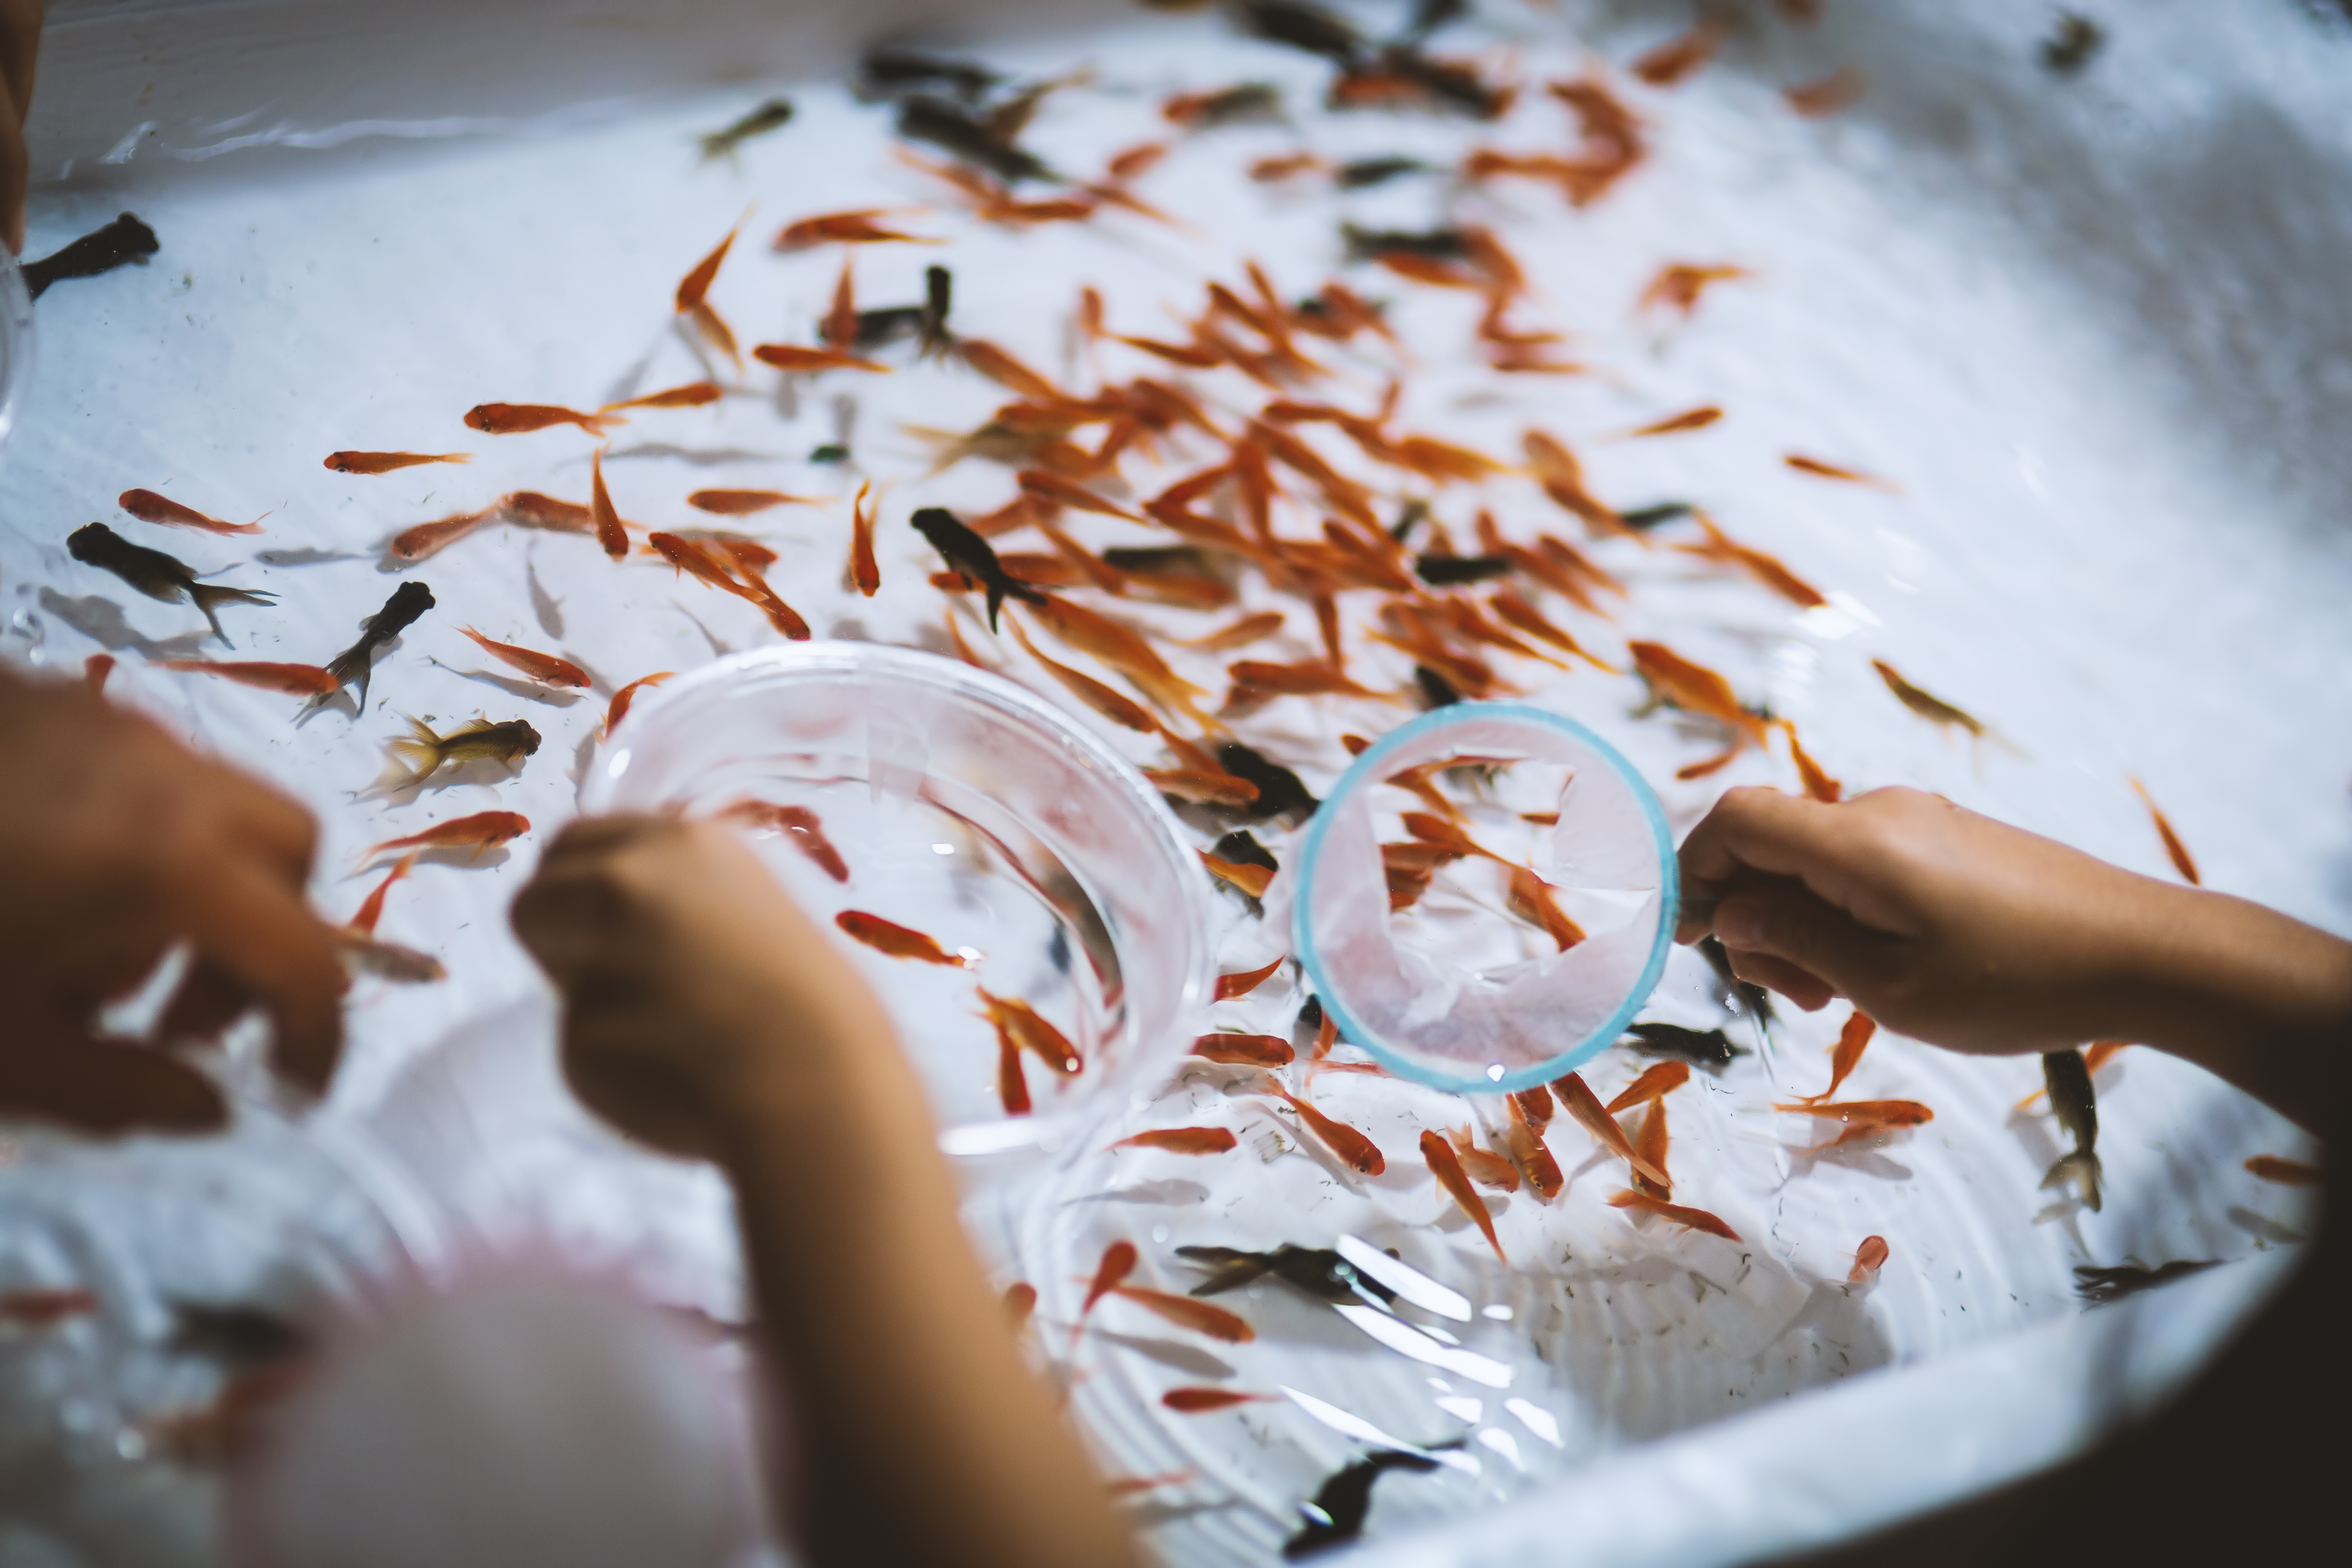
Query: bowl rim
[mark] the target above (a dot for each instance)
(16, 321)
(841, 655)
(1360, 775)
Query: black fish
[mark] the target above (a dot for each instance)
(156, 574)
(974, 557)
(1758, 1000)
(1447, 571)
(1241, 848)
(1316, 1270)
(2068, 1079)
(1452, 85)
(1436, 691)
(939, 295)
(1310, 1014)
(1646, 517)
(896, 73)
(1434, 244)
(1340, 1503)
(1364, 173)
(1413, 514)
(1709, 1049)
(357, 662)
(2072, 44)
(773, 115)
(240, 1336)
(1301, 26)
(1280, 792)
(831, 452)
(944, 125)
(119, 244)
(2101, 1286)
(1250, 103)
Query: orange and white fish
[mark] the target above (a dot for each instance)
(149, 507)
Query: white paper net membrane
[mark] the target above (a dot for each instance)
(966, 809)
(1457, 991)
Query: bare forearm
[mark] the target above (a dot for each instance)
(2251, 996)
(923, 1437)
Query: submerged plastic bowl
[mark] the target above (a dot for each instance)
(1471, 1009)
(975, 812)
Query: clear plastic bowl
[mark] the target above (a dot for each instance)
(1458, 992)
(969, 810)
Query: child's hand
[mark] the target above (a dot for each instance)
(1944, 925)
(698, 1000)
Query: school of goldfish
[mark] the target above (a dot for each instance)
(1259, 444)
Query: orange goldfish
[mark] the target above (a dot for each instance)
(1245, 1050)
(1198, 1401)
(1868, 1259)
(1116, 706)
(1118, 1261)
(1530, 897)
(693, 395)
(863, 570)
(1655, 1082)
(1676, 424)
(740, 503)
(1650, 1143)
(1200, 1317)
(1250, 879)
(1562, 476)
(1578, 1101)
(1818, 784)
(1826, 470)
(1935, 710)
(698, 280)
(1183, 1140)
(389, 462)
(1350, 1145)
(1841, 90)
(544, 668)
(1853, 1039)
(1674, 1214)
(898, 942)
(1028, 1029)
(1004, 370)
(619, 707)
(797, 822)
(482, 830)
(1523, 1136)
(1765, 569)
(294, 679)
(611, 534)
(1011, 1083)
(1446, 1166)
(149, 507)
(1681, 56)
(41, 1308)
(521, 418)
(2284, 1172)
(2172, 845)
(795, 360)
(1230, 986)
(853, 227)
(1865, 1118)
(1124, 650)
(1678, 284)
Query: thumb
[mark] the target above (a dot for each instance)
(1802, 937)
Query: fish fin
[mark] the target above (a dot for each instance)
(209, 596)
(995, 601)
(2079, 1170)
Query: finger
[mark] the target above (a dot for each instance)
(108, 1087)
(16, 172)
(1782, 920)
(573, 920)
(207, 1002)
(1807, 990)
(602, 834)
(1833, 850)
(273, 824)
(257, 932)
(20, 47)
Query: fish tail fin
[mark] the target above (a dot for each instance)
(995, 602)
(2080, 1171)
(599, 422)
(208, 597)
(413, 755)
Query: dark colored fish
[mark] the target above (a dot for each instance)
(1316, 1270)
(1280, 792)
(1364, 173)
(831, 452)
(1436, 691)
(1451, 84)
(1447, 571)
(2101, 1286)
(1432, 244)
(156, 574)
(938, 296)
(240, 1336)
(893, 324)
(1709, 1048)
(1648, 517)
(1241, 848)
(948, 127)
(1337, 1514)
(773, 115)
(357, 662)
(1758, 1000)
(2068, 1079)
(974, 557)
(896, 73)
(119, 244)
(1301, 26)
(2073, 44)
